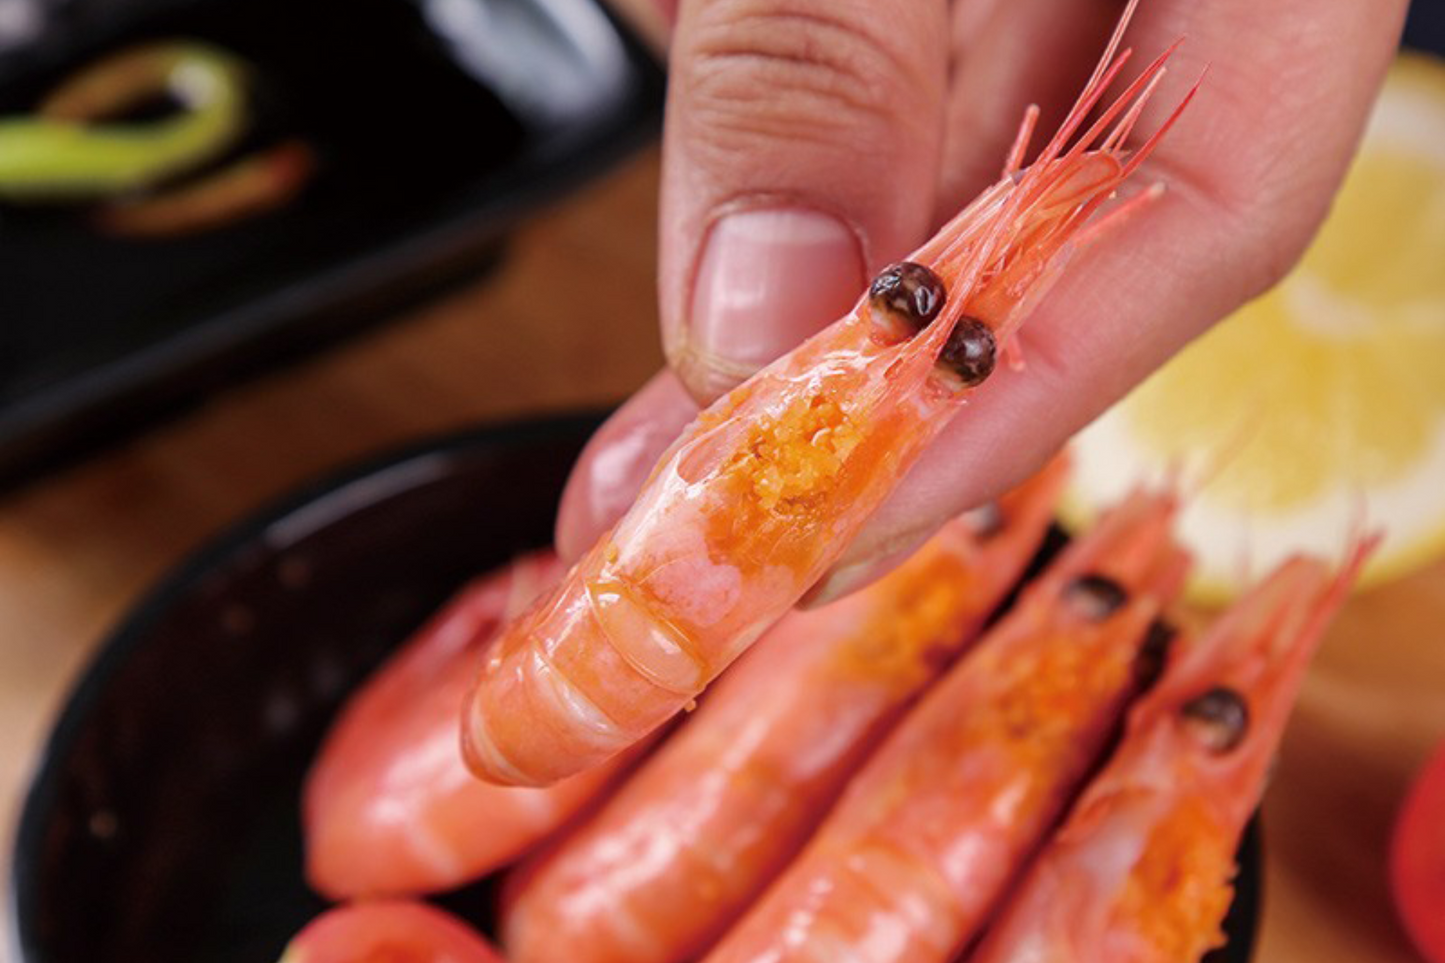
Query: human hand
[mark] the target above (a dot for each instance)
(810, 142)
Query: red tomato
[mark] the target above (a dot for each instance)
(1417, 860)
(388, 931)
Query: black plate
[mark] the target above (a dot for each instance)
(163, 822)
(436, 124)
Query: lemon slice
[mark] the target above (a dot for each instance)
(1320, 406)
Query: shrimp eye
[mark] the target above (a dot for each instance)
(1219, 719)
(1095, 597)
(970, 351)
(909, 292)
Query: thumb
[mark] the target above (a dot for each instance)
(800, 154)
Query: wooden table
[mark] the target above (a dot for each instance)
(570, 322)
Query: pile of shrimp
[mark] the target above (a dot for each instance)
(972, 759)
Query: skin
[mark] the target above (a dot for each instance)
(826, 106)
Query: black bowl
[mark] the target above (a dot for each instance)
(436, 127)
(163, 823)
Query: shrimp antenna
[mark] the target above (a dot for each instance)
(1142, 154)
(1015, 161)
(1103, 74)
(1363, 538)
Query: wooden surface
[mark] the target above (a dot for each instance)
(570, 322)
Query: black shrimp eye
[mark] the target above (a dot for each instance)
(909, 292)
(970, 351)
(1095, 597)
(1219, 718)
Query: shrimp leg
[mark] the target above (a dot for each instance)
(1140, 872)
(707, 822)
(922, 843)
(762, 493)
(389, 808)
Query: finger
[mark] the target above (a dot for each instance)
(1250, 170)
(652, 20)
(611, 469)
(800, 152)
(1008, 55)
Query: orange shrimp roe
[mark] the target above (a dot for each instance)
(792, 459)
(1051, 689)
(912, 632)
(782, 482)
(1179, 891)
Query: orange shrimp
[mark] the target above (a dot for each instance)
(762, 493)
(388, 931)
(910, 863)
(705, 824)
(1140, 872)
(389, 807)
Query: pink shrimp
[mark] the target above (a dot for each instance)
(1140, 872)
(388, 931)
(911, 861)
(765, 489)
(692, 838)
(389, 807)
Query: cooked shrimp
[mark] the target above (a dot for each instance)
(765, 489)
(700, 829)
(910, 863)
(388, 931)
(1140, 872)
(389, 807)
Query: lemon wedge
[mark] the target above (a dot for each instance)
(1319, 407)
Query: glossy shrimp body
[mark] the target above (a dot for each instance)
(911, 861)
(761, 494)
(388, 931)
(1140, 872)
(706, 823)
(389, 807)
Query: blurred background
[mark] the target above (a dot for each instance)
(296, 266)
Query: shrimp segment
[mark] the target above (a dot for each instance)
(765, 489)
(389, 807)
(910, 862)
(1140, 872)
(697, 832)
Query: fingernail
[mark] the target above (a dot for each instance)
(766, 281)
(617, 459)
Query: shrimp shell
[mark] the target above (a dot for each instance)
(1140, 872)
(762, 493)
(388, 806)
(696, 833)
(910, 863)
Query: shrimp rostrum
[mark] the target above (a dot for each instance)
(765, 489)
(1141, 870)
